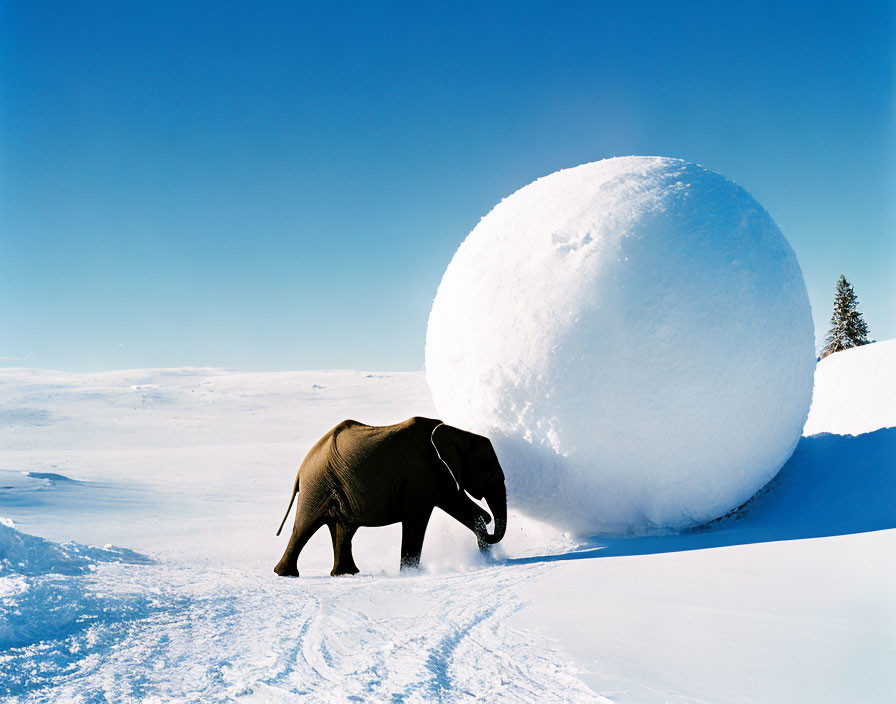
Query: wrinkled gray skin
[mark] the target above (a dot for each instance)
(361, 475)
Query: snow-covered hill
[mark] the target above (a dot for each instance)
(190, 469)
(855, 391)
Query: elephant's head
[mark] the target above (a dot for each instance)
(476, 470)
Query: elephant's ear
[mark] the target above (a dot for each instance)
(450, 443)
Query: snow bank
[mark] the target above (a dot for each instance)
(24, 554)
(855, 391)
(43, 595)
(635, 336)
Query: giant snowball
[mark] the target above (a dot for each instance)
(635, 337)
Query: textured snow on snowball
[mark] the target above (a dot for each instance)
(635, 337)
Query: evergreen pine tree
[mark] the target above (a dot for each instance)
(848, 329)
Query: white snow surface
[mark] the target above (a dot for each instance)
(854, 391)
(788, 599)
(635, 336)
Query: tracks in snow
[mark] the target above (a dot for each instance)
(242, 637)
(442, 638)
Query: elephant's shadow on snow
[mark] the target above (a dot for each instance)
(832, 485)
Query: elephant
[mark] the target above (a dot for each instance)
(363, 475)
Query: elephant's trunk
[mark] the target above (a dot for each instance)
(496, 498)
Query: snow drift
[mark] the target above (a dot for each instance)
(43, 595)
(635, 336)
(23, 554)
(855, 391)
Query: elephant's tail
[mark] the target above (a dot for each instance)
(295, 490)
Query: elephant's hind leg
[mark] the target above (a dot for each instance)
(343, 562)
(305, 527)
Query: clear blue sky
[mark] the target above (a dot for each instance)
(279, 186)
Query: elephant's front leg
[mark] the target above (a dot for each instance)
(413, 530)
(343, 562)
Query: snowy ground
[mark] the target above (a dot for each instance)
(789, 599)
